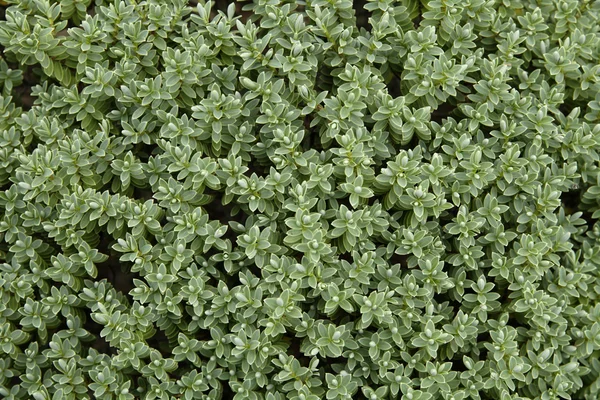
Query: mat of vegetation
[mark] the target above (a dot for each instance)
(318, 199)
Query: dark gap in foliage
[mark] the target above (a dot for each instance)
(80, 86)
(462, 93)
(571, 201)
(502, 288)
(414, 143)
(345, 256)
(362, 15)
(113, 270)
(254, 269)
(91, 9)
(143, 151)
(222, 212)
(417, 21)
(393, 86)
(227, 392)
(221, 5)
(399, 259)
(323, 79)
(448, 215)
(161, 342)
(442, 112)
(118, 275)
(311, 135)
(99, 344)
(567, 108)
(371, 201)
(294, 350)
(142, 194)
(377, 167)
(72, 23)
(22, 93)
(260, 169)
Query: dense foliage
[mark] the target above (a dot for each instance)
(300, 199)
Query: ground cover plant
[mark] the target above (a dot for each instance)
(303, 200)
